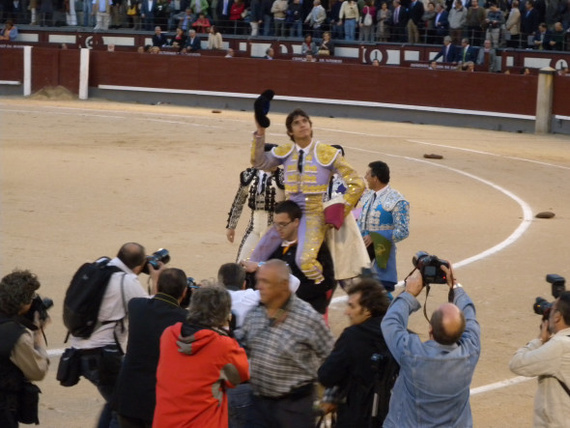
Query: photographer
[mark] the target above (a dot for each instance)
(23, 357)
(148, 318)
(101, 353)
(433, 386)
(548, 357)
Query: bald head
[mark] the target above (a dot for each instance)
(273, 283)
(447, 324)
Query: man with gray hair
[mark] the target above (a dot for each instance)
(286, 341)
(198, 362)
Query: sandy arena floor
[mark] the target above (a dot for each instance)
(78, 179)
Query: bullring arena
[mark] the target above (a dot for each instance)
(78, 179)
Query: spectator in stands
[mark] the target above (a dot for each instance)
(337, 28)
(366, 26)
(229, 53)
(202, 24)
(563, 71)
(46, 13)
(175, 13)
(441, 23)
(494, 21)
(178, 40)
(215, 40)
(428, 20)
(269, 53)
(375, 63)
(187, 19)
(475, 21)
(416, 12)
(350, 14)
(448, 52)
(266, 6)
(529, 24)
(159, 39)
(316, 19)
(148, 12)
(457, 20)
(543, 38)
(133, 15)
(237, 14)
(488, 56)
(223, 11)
(255, 17)
(279, 10)
(513, 26)
(9, 32)
(294, 18)
(557, 40)
(193, 42)
(467, 55)
(399, 22)
(308, 45)
(383, 17)
(326, 48)
(200, 6)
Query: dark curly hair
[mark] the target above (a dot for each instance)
(373, 296)
(16, 290)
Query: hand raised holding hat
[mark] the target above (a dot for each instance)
(261, 108)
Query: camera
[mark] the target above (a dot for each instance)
(430, 268)
(541, 305)
(190, 285)
(40, 306)
(162, 255)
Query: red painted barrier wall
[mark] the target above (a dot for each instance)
(399, 85)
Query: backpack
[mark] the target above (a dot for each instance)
(385, 377)
(84, 295)
(367, 18)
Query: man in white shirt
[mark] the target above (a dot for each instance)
(101, 354)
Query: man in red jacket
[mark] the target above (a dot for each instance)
(198, 361)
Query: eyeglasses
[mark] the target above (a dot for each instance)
(282, 225)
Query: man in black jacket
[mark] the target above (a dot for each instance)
(360, 365)
(286, 220)
(148, 318)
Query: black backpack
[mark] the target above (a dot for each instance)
(84, 295)
(386, 373)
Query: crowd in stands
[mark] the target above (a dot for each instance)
(507, 23)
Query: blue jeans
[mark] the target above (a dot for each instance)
(239, 405)
(349, 29)
(87, 10)
(296, 29)
(267, 27)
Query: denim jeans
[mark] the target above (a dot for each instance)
(267, 27)
(87, 10)
(239, 405)
(90, 370)
(349, 29)
(296, 29)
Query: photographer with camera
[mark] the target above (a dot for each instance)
(433, 386)
(548, 357)
(23, 356)
(148, 318)
(101, 353)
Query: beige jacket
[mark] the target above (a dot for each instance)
(549, 361)
(514, 22)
